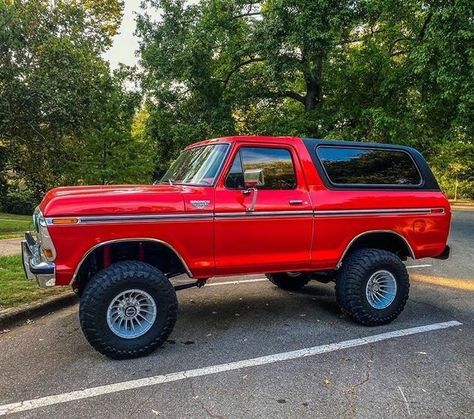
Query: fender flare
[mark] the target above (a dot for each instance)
(410, 249)
(130, 239)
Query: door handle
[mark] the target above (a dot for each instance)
(254, 198)
(295, 202)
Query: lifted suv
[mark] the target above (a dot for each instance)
(295, 209)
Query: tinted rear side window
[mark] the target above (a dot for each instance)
(365, 166)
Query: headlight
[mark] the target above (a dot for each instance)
(44, 239)
(38, 220)
(35, 220)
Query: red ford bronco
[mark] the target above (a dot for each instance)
(295, 209)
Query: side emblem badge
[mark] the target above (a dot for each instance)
(200, 204)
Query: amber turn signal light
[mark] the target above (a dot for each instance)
(48, 253)
(58, 221)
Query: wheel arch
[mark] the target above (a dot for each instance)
(158, 253)
(379, 239)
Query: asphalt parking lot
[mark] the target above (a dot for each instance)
(244, 348)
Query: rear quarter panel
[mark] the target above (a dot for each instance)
(426, 232)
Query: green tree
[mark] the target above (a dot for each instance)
(3, 183)
(64, 119)
(223, 66)
(454, 168)
(379, 70)
(116, 150)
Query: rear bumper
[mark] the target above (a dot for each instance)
(445, 255)
(34, 266)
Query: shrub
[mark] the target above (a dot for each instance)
(21, 202)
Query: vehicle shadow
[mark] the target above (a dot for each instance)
(316, 301)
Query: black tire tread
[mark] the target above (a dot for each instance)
(110, 276)
(348, 285)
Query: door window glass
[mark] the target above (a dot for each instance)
(262, 168)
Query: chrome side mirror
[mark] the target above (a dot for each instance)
(253, 178)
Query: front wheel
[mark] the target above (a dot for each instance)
(128, 310)
(372, 286)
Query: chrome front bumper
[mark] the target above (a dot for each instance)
(34, 265)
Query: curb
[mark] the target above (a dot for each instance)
(462, 207)
(461, 204)
(13, 316)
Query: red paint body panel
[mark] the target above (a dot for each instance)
(109, 200)
(73, 243)
(242, 243)
(334, 233)
(252, 244)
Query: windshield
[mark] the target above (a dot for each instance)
(197, 165)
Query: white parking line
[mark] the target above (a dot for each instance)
(214, 369)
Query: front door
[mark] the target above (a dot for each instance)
(263, 213)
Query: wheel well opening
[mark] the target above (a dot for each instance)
(157, 254)
(382, 240)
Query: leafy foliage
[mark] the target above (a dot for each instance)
(379, 70)
(64, 118)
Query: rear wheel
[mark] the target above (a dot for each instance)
(290, 281)
(128, 310)
(372, 286)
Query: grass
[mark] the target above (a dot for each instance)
(15, 289)
(14, 225)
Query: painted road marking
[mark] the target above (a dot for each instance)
(214, 369)
(456, 283)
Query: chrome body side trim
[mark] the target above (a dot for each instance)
(209, 216)
(412, 254)
(141, 239)
(395, 211)
(242, 214)
(132, 218)
(238, 215)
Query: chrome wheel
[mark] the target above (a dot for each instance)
(381, 289)
(131, 314)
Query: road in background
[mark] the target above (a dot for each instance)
(10, 247)
(461, 261)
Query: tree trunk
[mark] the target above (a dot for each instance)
(312, 95)
(313, 86)
(456, 185)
